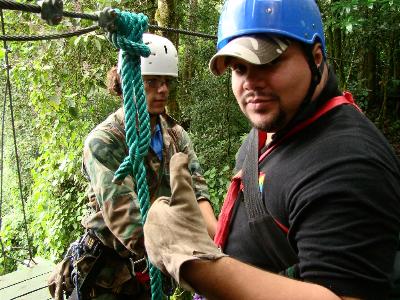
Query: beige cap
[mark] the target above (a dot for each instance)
(256, 50)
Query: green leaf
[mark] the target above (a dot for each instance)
(97, 44)
(77, 40)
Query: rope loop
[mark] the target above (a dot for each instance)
(126, 33)
(125, 30)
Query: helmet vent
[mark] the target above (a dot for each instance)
(166, 49)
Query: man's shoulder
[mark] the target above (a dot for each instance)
(347, 123)
(106, 138)
(112, 126)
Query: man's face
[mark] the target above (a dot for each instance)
(157, 91)
(270, 95)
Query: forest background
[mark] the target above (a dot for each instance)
(59, 95)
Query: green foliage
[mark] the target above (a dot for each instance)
(363, 38)
(218, 182)
(14, 240)
(207, 106)
(214, 119)
(181, 294)
(216, 125)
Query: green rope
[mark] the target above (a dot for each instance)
(128, 37)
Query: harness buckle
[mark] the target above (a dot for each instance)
(141, 262)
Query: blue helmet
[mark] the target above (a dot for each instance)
(299, 20)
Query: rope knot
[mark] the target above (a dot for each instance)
(129, 29)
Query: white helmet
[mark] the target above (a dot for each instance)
(163, 59)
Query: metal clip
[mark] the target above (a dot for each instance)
(107, 19)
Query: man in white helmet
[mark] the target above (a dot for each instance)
(112, 264)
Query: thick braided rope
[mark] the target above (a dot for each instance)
(128, 37)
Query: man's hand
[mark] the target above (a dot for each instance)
(175, 231)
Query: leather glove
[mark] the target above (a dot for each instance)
(60, 280)
(175, 231)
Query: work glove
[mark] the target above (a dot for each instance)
(60, 280)
(175, 231)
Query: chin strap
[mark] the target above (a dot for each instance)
(316, 74)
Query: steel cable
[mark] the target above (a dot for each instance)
(12, 5)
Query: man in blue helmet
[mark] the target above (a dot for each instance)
(312, 213)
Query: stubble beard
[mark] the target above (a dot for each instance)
(273, 123)
(277, 122)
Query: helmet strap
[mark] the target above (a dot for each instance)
(316, 73)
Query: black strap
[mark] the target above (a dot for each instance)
(252, 196)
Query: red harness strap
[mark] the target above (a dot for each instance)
(236, 182)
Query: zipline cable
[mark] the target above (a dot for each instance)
(12, 5)
(55, 36)
(8, 93)
(185, 32)
(1, 173)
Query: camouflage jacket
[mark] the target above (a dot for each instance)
(115, 217)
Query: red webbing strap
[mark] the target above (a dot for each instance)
(235, 186)
(224, 218)
(262, 138)
(347, 98)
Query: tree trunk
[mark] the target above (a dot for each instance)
(151, 11)
(395, 64)
(371, 75)
(188, 59)
(338, 46)
(335, 39)
(166, 17)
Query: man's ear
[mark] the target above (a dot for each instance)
(317, 54)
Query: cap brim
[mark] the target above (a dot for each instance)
(256, 50)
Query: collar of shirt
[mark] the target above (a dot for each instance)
(156, 142)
